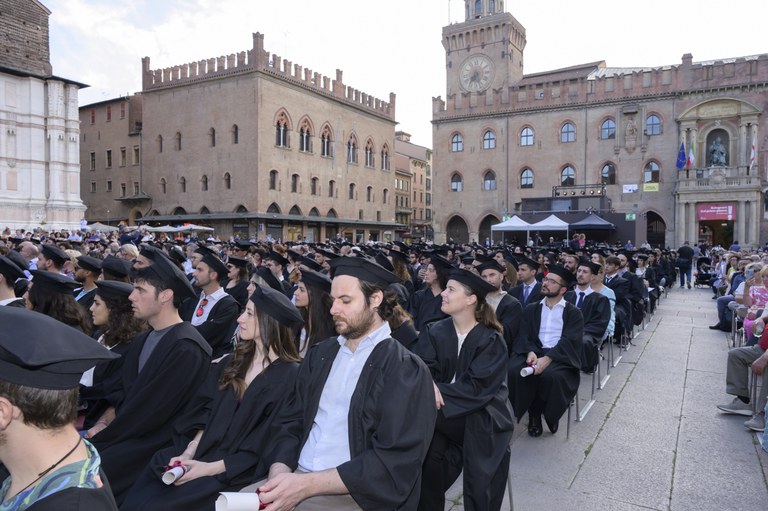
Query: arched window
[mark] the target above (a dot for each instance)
(163, 185)
(295, 183)
(652, 172)
(331, 213)
(489, 140)
(526, 178)
(331, 188)
(204, 183)
(281, 131)
(178, 141)
(568, 133)
(227, 181)
(478, 8)
(526, 137)
(241, 209)
(325, 142)
(205, 211)
(183, 184)
(273, 180)
(212, 135)
(369, 194)
(608, 129)
(352, 191)
(295, 211)
(653, 125)
(385, 196)
(489, 181)
(568, 176)
(608, 174)
(457, 183)
(274, 209)
(313, 186)
(159, 143)
(385, 158)
(304, 138)
(235, 134)
(369, 160)
(457, 143)
(352, 150)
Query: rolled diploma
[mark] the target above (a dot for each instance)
(229, 501)
(170, 476)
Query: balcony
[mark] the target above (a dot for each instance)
(713, 178)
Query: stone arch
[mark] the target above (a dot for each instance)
(306, 123)
(282, 115)
(273, 208)
(205, 211)
(295, 210)
(241, 209)
(314, 212)
(134, 216)
(457, 229)
(154, 212)
(655, 230)
(332, 213)
(179, 211)
(484, 228)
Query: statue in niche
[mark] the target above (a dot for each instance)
(718, 156)
(630, 135)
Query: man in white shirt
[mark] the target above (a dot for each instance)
(356, 432)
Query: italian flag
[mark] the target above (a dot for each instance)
(691, 150)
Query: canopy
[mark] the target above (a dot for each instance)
(513, 224)
(181, 228)
(98, 226)
(592, 222)
(551, 223)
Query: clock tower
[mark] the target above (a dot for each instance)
(485, 51)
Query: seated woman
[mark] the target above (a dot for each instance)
(755, 295)
(113, 320)
(313, 299)
(232, 427)
(467, 357)
(237, 280)
(50, 293)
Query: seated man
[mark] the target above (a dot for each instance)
(595, 309)
(550, 342)
(356, 432)
(46, 464)
(737, 380)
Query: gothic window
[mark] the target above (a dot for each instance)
(526, 178)
(568, 176)
(273, 180)
(325, 140)
(178, 141)
(369, 154)
(489, 181)
(457, 143)
(385, 158)
(281, 131)
(352, 191)
(227, 181)
(295, 183)
(457, 184)
(526, 137)
(183, 184)
(608, 129)
(304, 138)
(652, 172)
(204, 183)
(568, 133)
(352, 150)
(608, 174)
(653, 125)
(489, 140)
(331, 188)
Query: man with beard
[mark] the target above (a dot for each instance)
(357, 429)
(550, 343)
(87, 273)
(595, 309)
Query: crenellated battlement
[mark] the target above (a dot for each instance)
(257, 59)
(595, 82)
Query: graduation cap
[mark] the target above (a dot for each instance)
(18, 260)
(363, 269)
(511, 260)
(171, 276)
(54, 282)
(116, 266)
(493, 264)
(113, 289)
(41, 352)
(467, 260)
(276, 257)
(317, 280)
(275, 304)
(397, 254)
(152, 253)
(267, 276)
(564, 273)
(644, 257)
(484, 258)
(473, 281)
(89, 263)
(310, 263)
(243, 245)
(439, 261)
(405, 248)
(593, 267)
(384, 261)
(10, 270)
(213, 262)
(294, 254)
(240, 262)
(175, 253)
(55, 254)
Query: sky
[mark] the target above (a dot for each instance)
(383, 46)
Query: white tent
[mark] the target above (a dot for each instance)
(513, 224)
(551, 223)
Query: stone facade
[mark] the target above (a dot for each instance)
(255, 145)
(579, 139)
(39, 127)
(416, 162)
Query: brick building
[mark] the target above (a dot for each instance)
(250, 144)
(594, 138)
(415, 162)
(39, 133)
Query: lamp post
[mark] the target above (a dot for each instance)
(108, 217)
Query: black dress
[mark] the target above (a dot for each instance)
(235, 431)
(475, 426)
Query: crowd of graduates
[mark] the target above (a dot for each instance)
(226, 349)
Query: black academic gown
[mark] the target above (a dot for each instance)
(235, 431)
(78, 499)
(105, 375)
(149, 401)
(391, 421)
(509, 312)
(596, 311)
(550, 392)
(218, 328)
(240, 293)
(425, 308)
(475, 426)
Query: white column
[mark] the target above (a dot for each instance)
(680, 223)
(741, 221)
(694, 138)
(743, 147)
(692, 236)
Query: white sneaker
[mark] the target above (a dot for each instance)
(737, 407)
(756, 423)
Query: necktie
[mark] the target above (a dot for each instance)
(526, 292)
(580, 301)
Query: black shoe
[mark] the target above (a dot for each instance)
(716, 327)
(534, 425)
(553, 426)
(689, 286)
(714, 297)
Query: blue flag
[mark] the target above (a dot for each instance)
(681, 157)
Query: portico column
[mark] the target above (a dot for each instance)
(741, 221)
(680, 222)
(692, 236)
(693, 138)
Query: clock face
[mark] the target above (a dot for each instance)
(476, 73)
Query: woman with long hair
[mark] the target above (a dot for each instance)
(221, 441)
(425, 303)
(467, 357)
(116, 327)
(237, 280)
(50, 293)
(313, 299)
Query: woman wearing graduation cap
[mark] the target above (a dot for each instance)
(467, 357)
(237, 280)
(425, 303)
(222, 440)
(313, 299)
(51, 294)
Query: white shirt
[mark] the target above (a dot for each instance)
(7, 301)
(328, 443)
(551, 329)
(212, 299)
